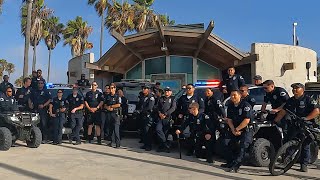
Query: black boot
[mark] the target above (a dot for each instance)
(99, 140)
(234, 167)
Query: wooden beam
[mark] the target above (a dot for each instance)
(248, 59)
(204, 38)
(225, 47)
(161, 33)
(182, 34)
(122, 61)
(92, 66)
(121, 39)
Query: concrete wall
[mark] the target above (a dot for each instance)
(273, 56)
(76, 67)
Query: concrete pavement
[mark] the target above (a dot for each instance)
(91, 161)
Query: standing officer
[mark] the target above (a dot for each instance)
(36, 79)
(200, 132)
(23, 94)
(93, 102)
(75, 105)
(57, 111)
(306, 108)
(146, 103)
(239, 116)
(5, 84)
(257, 80)
(112, 106)
(233, 81)
(166, 106)
(244, 90)
(185, 100)
(83, 82)
(7, 101)
(124, 103)
(39, 101)
(105, 125)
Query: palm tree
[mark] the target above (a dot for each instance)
(101, 7)
(10, 68)
(144, 15)
(1, 3)
(26, 14)
(165, 20)
(3, 66)
(52, 32)
(19, 82)
(76, 35)
(39, 15)
(120, 17)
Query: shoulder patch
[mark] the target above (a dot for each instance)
(240, 77)
(253, 100)
(313, 102)
(206, 117)
(152, 98)
(1, 99)
(283, 93)
(247, 108)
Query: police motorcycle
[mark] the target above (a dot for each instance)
(19, 126)
(289, 153)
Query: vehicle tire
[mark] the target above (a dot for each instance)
(5, 139)
(283, 154)
(35, 137)
(314, 150)
(262, 150)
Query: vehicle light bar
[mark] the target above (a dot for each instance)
(211, 83)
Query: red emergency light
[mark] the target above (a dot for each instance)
(210, 83)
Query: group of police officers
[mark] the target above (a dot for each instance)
(156, 109)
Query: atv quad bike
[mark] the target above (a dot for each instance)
(19, 126)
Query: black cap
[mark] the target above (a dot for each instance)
(257, 77)
(167, 89)
(146, 87)
(297, 85)
(157, 83)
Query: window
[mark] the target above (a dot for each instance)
(182, 65)
(135, 73)
(155, 66)
(206, 71)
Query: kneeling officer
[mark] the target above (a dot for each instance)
(200, 132)
(7, 101)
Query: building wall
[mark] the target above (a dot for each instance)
(76, 67)
(273, 56)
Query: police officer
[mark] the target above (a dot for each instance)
(57, 111)
(7, 101)
(232, 81)
(112, 106)
(239, 116)
(35, 80)
(257, 80)
(200, 132)
(244, 90)
(93, 102)
(166, 106)
(83, 81)
(146, 103)
(306, 108)
(105, 125)
(5, 84)
(23, 94)
(39, 101)
(185, 100)
(124, 103)
(75, 105)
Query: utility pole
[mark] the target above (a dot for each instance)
(27, 39)
(294, 33)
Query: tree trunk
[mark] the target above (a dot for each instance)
(34, 56)
(101, 34)
(48, 80)
(27, 41)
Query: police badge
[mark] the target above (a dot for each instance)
(275, 97)
(77, 99)
(240, 112)
(198, 121)
(96, 96)
(193, 101)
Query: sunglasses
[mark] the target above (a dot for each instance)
(59, 92)
(40, 83)
(9, 91)
(242, 90)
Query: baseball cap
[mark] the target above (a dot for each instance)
(297, 85)
(167, 89)
(257, 77)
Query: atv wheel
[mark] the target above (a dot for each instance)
(5, 139)
(35, 137)
(314, 150)
(261, 152)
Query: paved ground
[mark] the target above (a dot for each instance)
(90, 161)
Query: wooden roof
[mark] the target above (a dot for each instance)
(183, 40)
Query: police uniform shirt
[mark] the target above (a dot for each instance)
(35, 80)
(112, 100)
(184, 102)
(234, 82)
(5, 85)
(197, 123)
(277, 97)
(124, 105)
(213, 105)
(57, 104)
(26, 92)
(74, 101)
(302, 107)
(40, 96)
(250, 100)
(7, 103)
(167, 105)
(83, 82)
(93, 98)
(146, 103)
(240, 112)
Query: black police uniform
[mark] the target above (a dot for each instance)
(233, 82)
(302, 107)
(184, 101)
(83, 82)
(124, 106)
(146, 107)
(251, 100)
(77, 117)
(23, 101)
(199, 127)
(93, 99)
(4, 85)
(35, 80)
(105, 124)
(38, 97)
(113, 118)
(277, 97)
(238, 114)
(166, 106)
(8, 103)
(59, 120)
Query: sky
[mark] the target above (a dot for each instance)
(240, 23)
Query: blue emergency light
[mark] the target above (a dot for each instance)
(209, 83)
